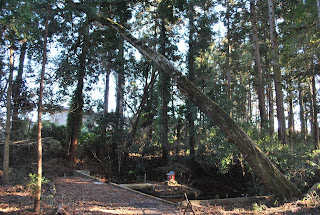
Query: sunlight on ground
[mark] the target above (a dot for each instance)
(114, 211)
(8, 209)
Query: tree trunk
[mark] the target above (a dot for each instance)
(277, 76)
(119, 145)
(106, 91)
(270, 176)
(178, 134)
(315, 112)
(290, 111)
(270, 98)
(165, 97)
(318, 11)
(16, 96)
(146, 93)
(228, 64)
(302, 112)
(39, 149)
(6, 174)
(76, 109)
(191, 109)
(259, 80)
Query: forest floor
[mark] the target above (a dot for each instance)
(87, 196)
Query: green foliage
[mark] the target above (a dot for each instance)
(219, 152)
(54, 138)
(312, 199)
(87, 144)
(259, 207)
(32, 184)
(297, 161)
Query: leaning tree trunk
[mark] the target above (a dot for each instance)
(271, 177)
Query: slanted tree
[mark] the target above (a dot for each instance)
(272, 178)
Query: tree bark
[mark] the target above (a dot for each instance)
(318, 11)
(106, 91)
(270, 176)
(120, 143)
(228, 64)
(164, 86)
(76, 109)
(146, 93)
(270, 97)
(290, 111)
(315, 112)
(16, 96)
(277, 76)
(39, 148)
(302, 112)
(259, 80)
(6, 174)
(191, 109)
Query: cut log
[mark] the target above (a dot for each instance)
(270, 176)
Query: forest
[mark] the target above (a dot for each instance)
(222, 92)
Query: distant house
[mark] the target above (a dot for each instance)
(58, 117)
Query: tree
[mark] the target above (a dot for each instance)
(76, 110)
(315, 123)
(272, 178)
(39, 142)
(6, 173)
(190, 107)
(259, 79)
(119, 142)
(16, 95)
(15, 19)
(277, 75)
(318, 10)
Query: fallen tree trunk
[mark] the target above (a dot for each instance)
(270, 176)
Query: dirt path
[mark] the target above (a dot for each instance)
(85, 196)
